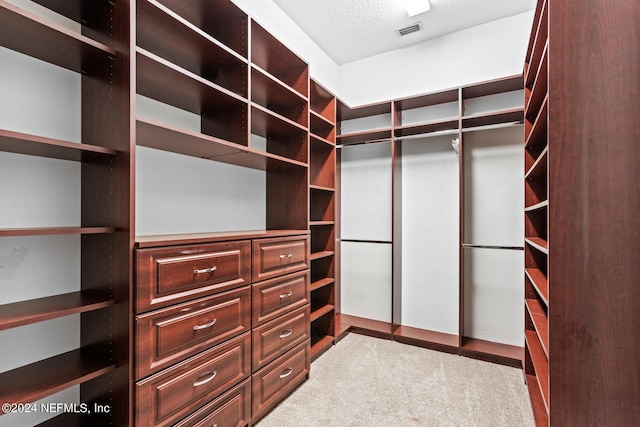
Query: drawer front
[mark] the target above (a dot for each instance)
(169, 335)
(278, 256)
(175, 274)
(168, 396)
(274, 338)
(274, 297)
(232, 409)
(277, 380)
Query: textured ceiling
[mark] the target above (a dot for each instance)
(348, 30)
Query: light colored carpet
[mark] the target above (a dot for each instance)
(364, 381)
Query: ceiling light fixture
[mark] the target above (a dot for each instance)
(416, 7)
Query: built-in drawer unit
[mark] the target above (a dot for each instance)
(273, 338)
(175, 274)
(170, 395)
(277, 256)
(274, 382)
(232, 409)
(171, 334)
(274, 297)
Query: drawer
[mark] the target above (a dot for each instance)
(272, 339)
(170, 395)
(232, 409)
(175, 274)
(278, 256)
(168, 335)
(277, 380)
(274, 297)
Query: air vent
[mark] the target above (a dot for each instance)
(410, 29)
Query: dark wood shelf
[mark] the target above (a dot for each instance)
(541, 205)
(271, 55)
(540, 414)
(44, 378)
(34, 145)
(319, 345)
(539, 319)
(284, 137)
(321, 283)
(375, 135)
(492, 351)
(318, 312)
(538, 243)
(318, 140)
(515, 115)
(223, 20)
(321, 120)
(322, 128)
(536, 134)
(190, 47)
(539, 40)
(321, 223)
(76, 10)
(346, 113)
(274, 95)
(163, 81)
(50, 231)
(427, 127)
(364, 326)
(161, 136)
(321, 188)
(540, 283)
(41, 309)
(427, 339)
(221, 236)
(539, 167)
(323, 102)
(540, 365)
(426, 100)
(538, 92)
(322, 254)
(31, 35)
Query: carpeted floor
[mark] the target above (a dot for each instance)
(364, 381)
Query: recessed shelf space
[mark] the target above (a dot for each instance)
(538, 169)
(161, 31)
(322, 332)
(322, 254)
(278, 97)
(534, 95)
(540, 283)
(540, 365)
(41, 309)
(322, 205)
(223, 20)
(323, 103)
(322, 269)
(537, 403)
(427, 113)
(538, 243)
(322, 129)
(34, 145)
(321, 283)
(46, 377)
(321, 310)
(322, 239)
(224, 114)
(278, 135)
(538, 317)
(538, 41)
(514, 115)
(493, 102)
(31, 35)
(541, 205)
(364, 124)
(536, 134)
(271, 55)
(535, 223)
(322, 165)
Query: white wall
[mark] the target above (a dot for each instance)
(485, 52)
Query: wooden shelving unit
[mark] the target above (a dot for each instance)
(322, 218)
(457, 112)
(98, 54)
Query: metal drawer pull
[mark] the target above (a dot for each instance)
(286, 256)
(212, 375)
(206, 270)
(287, 295)
(287, 333)
(205, 326)
(289, 371)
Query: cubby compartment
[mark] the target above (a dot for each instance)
(427, 113)
(364, 124)
(275, 135)
(322, 165)
(322, 238)
(322, 205)
(161, 31)
(278, 98)
(276, 59)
